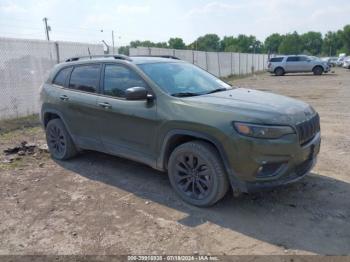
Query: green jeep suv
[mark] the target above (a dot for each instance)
(176, 117)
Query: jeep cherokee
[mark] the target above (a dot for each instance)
(176, 117)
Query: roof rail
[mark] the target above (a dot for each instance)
(122, 57)
(162, 56)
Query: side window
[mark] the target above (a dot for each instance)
(276, 59)
(61, 77)
(303, 58)
(292, 59)
(85, 78)
(118, 78)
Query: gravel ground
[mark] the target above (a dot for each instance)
(99, 204)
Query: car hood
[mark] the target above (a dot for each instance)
(258, 106)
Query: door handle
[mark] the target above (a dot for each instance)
(64, 97)
(105, 105)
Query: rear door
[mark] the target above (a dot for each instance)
(292, 64)
(79, 103)
(127, 128)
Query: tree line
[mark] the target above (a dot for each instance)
(310, 43)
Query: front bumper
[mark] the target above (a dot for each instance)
(292, 160)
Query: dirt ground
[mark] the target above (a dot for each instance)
(99, 204)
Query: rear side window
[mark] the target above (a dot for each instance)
(61, 77)
(118, 78)
(292, 59)
(85, 78)
(276, 59)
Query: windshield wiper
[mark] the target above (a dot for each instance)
(184, 94)
(217, 90)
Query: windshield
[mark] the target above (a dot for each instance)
(182, 79)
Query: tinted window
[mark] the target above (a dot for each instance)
(303, 58)
(61, 77)
(118, 78)
(85, 78)
(276, 59)
(292, 59)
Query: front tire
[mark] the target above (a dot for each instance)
(60, 143)
(197, 174)
(317, 70)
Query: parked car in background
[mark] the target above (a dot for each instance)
(346, 63)
(340, 60)
(332, 61)
(297, 64)
(176, 117)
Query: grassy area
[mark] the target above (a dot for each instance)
(19, 123)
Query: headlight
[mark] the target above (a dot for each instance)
(262, 131)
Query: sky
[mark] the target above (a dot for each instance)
(157, 20)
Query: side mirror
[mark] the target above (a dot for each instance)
(137, 93)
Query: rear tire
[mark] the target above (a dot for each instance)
(279, 71)
(60, 143)
(318, 70)
(197, 174)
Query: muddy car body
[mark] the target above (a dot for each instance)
(176, 117)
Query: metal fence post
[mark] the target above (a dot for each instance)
(231, 63)
(57, 52)
(239, 64)
(246, 64)
(206, 61)
(218, 63)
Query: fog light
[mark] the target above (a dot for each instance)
(270, 169)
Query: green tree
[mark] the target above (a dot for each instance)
(229, 44)
(176, 43)
(291, 44)
(345, 37)
(148, 43)
(242, 43)
(332, 42)
(312, 42)
(273, 42)
(124, 50)
(208, 42)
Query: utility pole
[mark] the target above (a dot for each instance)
(47, 28)
(113, 42)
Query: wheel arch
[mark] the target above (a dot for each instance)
(279, 67)
(49, 114)
(177, 137)
(318, 66)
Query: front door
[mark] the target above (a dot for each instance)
(127, 128)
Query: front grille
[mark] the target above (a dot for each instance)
(308, 129)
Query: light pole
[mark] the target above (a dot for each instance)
(47, 29)
(112, 42)
(253, 46)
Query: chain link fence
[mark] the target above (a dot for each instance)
(221, 64)
(24, 66)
